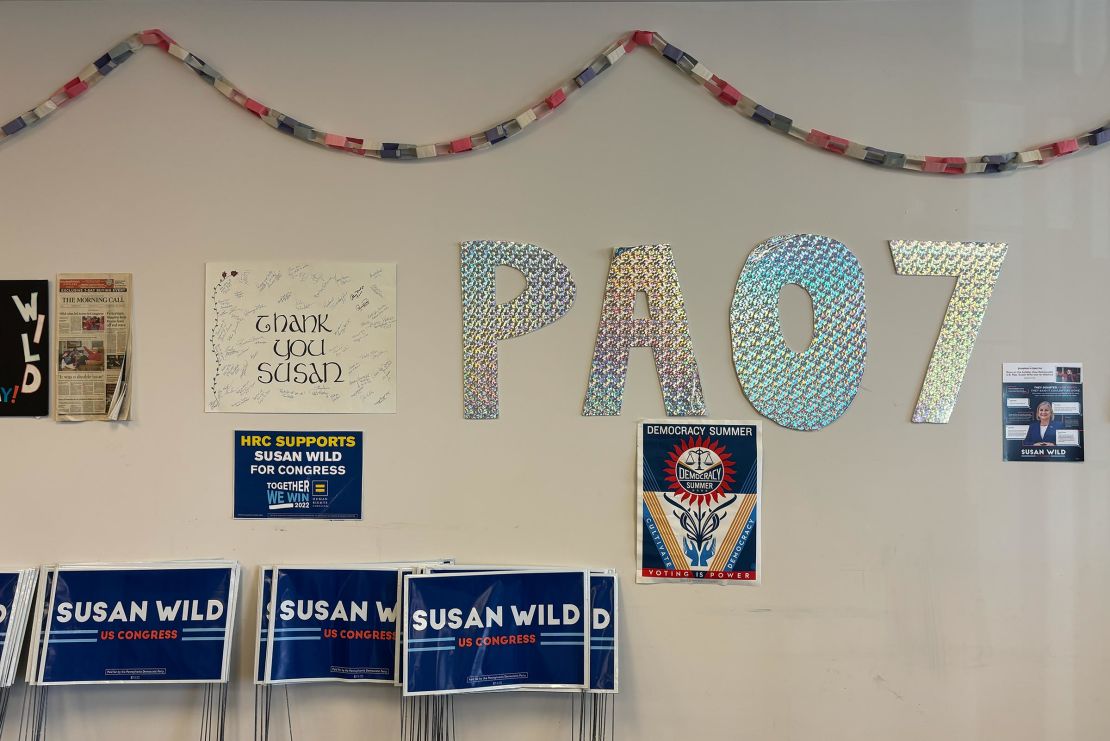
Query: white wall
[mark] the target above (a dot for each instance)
(915, 587)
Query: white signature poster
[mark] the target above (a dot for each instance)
(300, 337)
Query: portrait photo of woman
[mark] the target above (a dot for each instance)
(1043, 430)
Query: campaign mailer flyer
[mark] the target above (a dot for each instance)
(1042, 412)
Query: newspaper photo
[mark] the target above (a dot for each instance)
(93, 347)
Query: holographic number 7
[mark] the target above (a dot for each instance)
(975, 266)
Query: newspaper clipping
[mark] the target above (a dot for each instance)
(93, 313)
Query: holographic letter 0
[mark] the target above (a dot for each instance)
(810, 389)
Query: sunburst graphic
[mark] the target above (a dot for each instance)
(699, 470)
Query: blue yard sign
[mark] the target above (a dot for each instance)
(136, 624)
(16, 597)
(9, 583)
(330, 624)
(603, 632)
(496, 631)
(265, 594)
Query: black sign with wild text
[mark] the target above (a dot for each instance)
(24, 349)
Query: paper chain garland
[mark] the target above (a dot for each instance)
(720, 89)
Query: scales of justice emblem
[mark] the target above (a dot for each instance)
(700, 472)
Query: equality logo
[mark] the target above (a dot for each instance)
(699, 470)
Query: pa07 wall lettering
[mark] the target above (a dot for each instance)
(806, 390)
